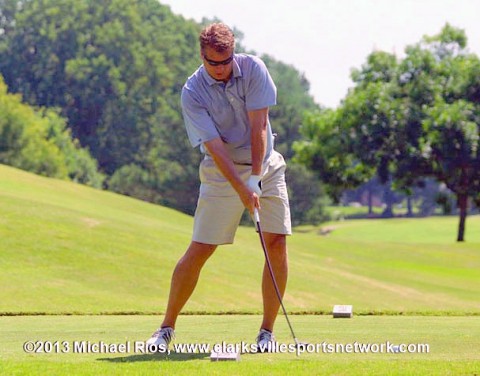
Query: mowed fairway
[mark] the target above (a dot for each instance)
(67, 249)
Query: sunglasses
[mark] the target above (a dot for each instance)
(214, 63)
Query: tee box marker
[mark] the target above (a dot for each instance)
(225, 356)
(342, 311)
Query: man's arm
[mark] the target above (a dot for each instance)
(258, 122)
(220, 156)
(216, 148)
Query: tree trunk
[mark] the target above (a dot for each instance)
(370, 201)
(409, 207)
(462, 202)
(388, 198)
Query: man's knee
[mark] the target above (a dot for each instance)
(276, 244)
(201, 248)
(276, 241)
(198, 252)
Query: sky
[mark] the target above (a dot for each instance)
(325, 39)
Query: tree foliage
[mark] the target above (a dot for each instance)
(327, 150)
(407, 119)
(115, 69)
(38, 140)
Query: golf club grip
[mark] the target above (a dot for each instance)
(256, 216)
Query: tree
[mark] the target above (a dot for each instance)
(410, 120)
(369, 125)
(447, 90)
(453, 148)
(327, 150)
(307, 200)
(115, 69)
(38, 141)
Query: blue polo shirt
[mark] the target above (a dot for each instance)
(214, 109)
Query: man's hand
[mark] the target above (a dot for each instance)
(255, 184)
(250, 199)
(248, 195)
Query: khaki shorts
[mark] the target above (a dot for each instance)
(219, 208)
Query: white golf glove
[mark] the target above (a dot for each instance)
(255, 184)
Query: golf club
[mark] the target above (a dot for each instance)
(256, 219)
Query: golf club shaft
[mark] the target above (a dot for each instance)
(256, 217)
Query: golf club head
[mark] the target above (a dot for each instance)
(299, 344)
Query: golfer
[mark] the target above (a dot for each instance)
(225, 108)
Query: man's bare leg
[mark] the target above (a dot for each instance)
(277, 253)
(185, 278)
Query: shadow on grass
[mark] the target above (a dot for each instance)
(172, 357)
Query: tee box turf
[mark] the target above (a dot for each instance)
(225, 356)
(342, 311)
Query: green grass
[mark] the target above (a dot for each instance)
(341, 212)
(69, 249)
(453, 345)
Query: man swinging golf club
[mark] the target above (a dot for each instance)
(225, 108)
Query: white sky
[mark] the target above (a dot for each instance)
(324, 39)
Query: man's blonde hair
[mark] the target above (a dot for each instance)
(217, 36)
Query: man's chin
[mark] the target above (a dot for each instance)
(221, 78)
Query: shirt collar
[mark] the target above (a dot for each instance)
(236, 72)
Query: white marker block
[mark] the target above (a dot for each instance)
(223, 356)
(345, 311)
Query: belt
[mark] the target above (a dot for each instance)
(237, 163)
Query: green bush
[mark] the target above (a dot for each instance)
(38, 140)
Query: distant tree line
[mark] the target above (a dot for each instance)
(405, 121)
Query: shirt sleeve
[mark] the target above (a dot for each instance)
(199, 125)
(261, 91)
